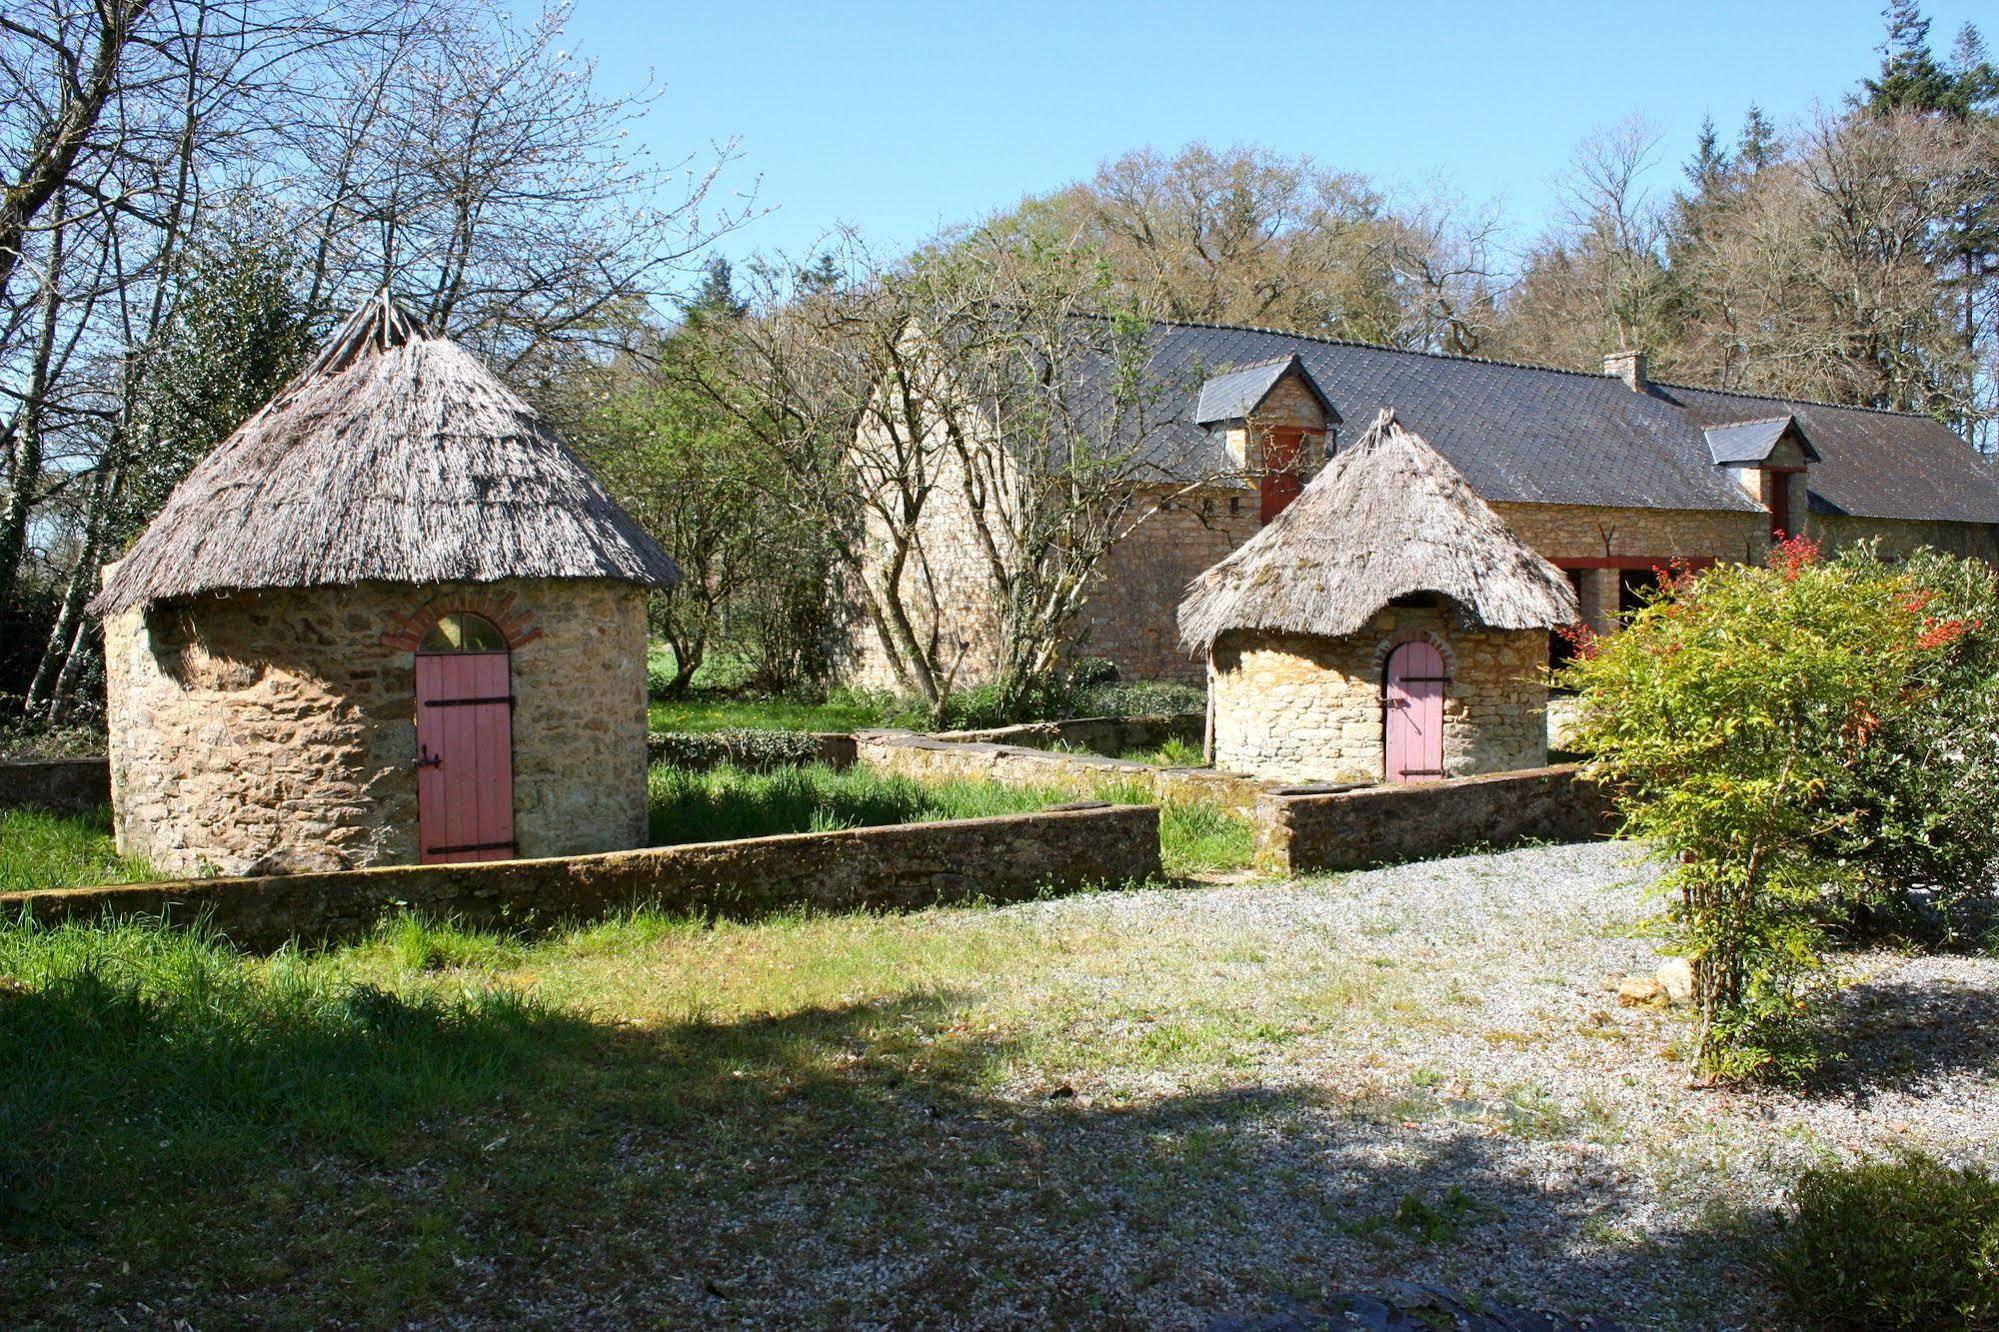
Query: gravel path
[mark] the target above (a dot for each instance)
(1559, 1153)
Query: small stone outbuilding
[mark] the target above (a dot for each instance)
(390, 620)
(1388, 626)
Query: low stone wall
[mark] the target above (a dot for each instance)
(61, 786)
(902, 867)
(1333, 828)
(934, 759)
(760, 750)
(1099, 735)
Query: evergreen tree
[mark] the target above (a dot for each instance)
(1976, 91)
(1757, 146)
(1710, 163)
(1910, 79)
(239, 331)
(824, 276)
(716, 297)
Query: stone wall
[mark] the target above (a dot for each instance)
(61, 786)
(273, 732)
(930, 760)
(1900, 538)
(1300, 831)
(1099, 735)
(1131, 616)
(1128, 619)
(896, 868)
(760, 751)
(1575, 531)
(1290, 707)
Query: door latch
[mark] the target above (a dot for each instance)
(426, 759)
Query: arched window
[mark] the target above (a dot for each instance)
(460, 632)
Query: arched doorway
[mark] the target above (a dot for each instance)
(465, 742)
(1412, 690)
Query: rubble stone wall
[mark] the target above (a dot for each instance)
(275, 731)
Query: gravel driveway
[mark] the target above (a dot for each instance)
(1510, 1131)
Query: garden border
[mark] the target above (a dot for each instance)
(1306, 828)
(895, 867)
(60, 786)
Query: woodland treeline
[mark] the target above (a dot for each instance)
(195, 189)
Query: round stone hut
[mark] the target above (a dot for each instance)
(390, 620)
(1387, 626)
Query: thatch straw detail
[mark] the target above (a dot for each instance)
(1386, 518)
(394, 456)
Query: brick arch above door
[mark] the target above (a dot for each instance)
(515, 623)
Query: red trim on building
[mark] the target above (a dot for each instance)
(1634, 562)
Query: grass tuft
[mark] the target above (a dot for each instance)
(39, 850)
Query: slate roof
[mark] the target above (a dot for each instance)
(1537, 435)
(1238, 393)
(1752, 441)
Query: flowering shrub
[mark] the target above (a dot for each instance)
(1795, 740)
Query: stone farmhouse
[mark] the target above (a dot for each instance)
(1606, 476)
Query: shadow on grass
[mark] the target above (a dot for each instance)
(184, 1143)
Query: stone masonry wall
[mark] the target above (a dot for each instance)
(1901, 538)
(1131, 618)
(1290, 707)
(61, 786)
(1575, 531)
(894, 868)
(1345, 830)
(275, 732)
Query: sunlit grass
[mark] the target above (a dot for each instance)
(39, 850)
(714, 712)
(728, 802)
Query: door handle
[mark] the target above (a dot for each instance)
(426, 759)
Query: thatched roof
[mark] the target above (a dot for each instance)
(1386, 518)
(394, 456)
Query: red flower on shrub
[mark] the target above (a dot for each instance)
(1793, 554)
(1942, 633)
(1676, 577)
(1582, 640)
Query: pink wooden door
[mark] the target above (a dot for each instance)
(1413, 697)
(465, 757)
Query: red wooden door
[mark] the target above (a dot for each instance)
(1282, 480)
(1413, 699)
(465, 757)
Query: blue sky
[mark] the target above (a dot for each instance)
(902, 117)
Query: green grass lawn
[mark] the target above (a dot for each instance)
(716, 712)
(729, 802)
(40, 850)
(446, 1125)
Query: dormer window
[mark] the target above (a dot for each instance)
(1274, 419)
(1768, 457)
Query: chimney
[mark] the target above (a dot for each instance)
(1628, 366)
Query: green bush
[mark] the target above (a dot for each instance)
(1910, 1243)
(1136, 698)
(1793, 740)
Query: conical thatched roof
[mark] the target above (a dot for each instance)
(394, 456)
(1387, 517)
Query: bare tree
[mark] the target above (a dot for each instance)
(978, 427)
(435, 142)
(1596, 282)
(474, 164)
